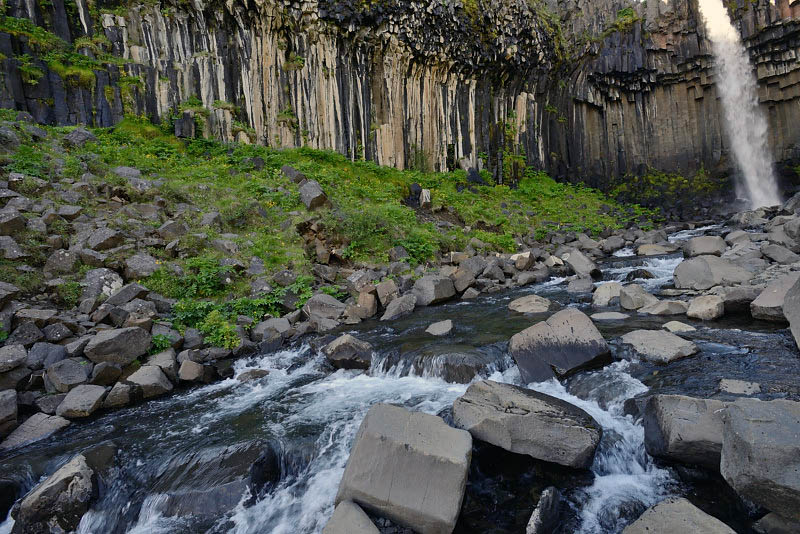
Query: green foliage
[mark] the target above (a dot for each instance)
(337, 292)
(36, 36)
(69, 293)
(625, 20)
(29, 161)
(30, 73)
(656, 188)
(3, 335)
(203, 277)
(218, 331)
(159, 343)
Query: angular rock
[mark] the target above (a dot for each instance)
(532, 304)
(738, 387)
(780, 254)
(68, 374)
(706, 308)
(705, 272)
(545, 517)
(567, 342)
(11, 222)
(61, 262)
(665, 307)
(81, 401)
(634, 296)
(126, 294)
(105, 374)
(524, 421)
(11, 249)
(400, 307)
(140, 266)
(387, 291)
(704, 245)
(120, 345)
(99, 282)
(609, 316)
(8, 412)
(768, 306)
(58, 503)
(395, 453)
(677, 326)
(79, 137)
(773, 523)
(322, 306)
(152, 380)
(172, 230)
(658, 345)
(676, 515)
(193, 372)
(11, 357)
(347, 352)
(252, 374)
(7, 293)
(433, 289)
(104, 239)
(761, 453)
(37, 427)
(120, 395)
(349, 518)
(684, 429)
(581, 265)
(312, 195)
(605, 294)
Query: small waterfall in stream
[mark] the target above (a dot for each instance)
(745, 123)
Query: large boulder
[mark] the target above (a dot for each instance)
(37, 427)
(322, 306)
(67, 374)
(566, 342)
(349, 518)
(120, 345)
(705, 272)
(659, 345)
(433, 289)
(532, 304)
(761, 453)
(677, 515)
(347, 352)
(545, 517)
(312, 195)
(12, 356)
(152, 380)
(665, 307)
(768, 306)
(684, 429)
(606, 294)
(704, 245)
(581, 265)
(524, 421)
(400, 307)
(58, 503)
(706, 307)
(81, 401)
(395, 454)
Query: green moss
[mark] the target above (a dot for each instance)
(69, 293)
(656, 188)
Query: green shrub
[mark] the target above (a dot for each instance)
(218, 331)
(160, 343)
(69, 293)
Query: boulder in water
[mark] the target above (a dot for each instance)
(395, 455)
(633, 297)
(665, 307)
(399, 307)
(706, 308)
(761, 453)
(658, 345)
(565, 343)
(81, 401)
(349, 518)
(684, 429)
(704, 245)
(442, 328)
(705, 272)
(677, 515)
(524, 421)
(546, 515)
(791, 310)
(532, 304)
(347, 352)
(37, 427)
(433, 289)
(768, 306)
(606, 294)
(581, 265)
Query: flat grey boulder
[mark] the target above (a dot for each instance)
(395, 454)
(140, 266)
(659, 345)
(581, 265)
(705, 272)
(37, 427)
(104, 239)
(79, 137)
(772, 523)
(441, 328)
(684, 429)
(609, 316)
(68, 374)
(677, 327)
(347, 352)
(665, 307)
(58, 503)
(433, 289)
(566, 342)
(768, 306)
(524, 421)
(634, 296)
(605, 294)
(81, 401)
(12, 356)
(677, 515)
(322, 306)
(152, 380)
(761, 453)
(532, 304)
(704, 245)
(400, 307)
(349, 518)
(706, 308)
(119, 345)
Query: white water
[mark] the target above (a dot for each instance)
(745, 123)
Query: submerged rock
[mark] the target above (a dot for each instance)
(567, 342)
(524, 421)
(659, 345)
(532, 304)
(347, 352)
(37, 427)
(397, 452)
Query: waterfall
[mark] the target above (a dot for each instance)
(745, 123)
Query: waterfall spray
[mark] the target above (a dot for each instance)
(745, 123)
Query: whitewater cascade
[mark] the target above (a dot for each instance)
(744, 122)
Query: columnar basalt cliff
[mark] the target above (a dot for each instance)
(589, 90)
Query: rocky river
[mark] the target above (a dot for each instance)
(268, 455)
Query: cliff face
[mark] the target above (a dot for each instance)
(587, 89)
